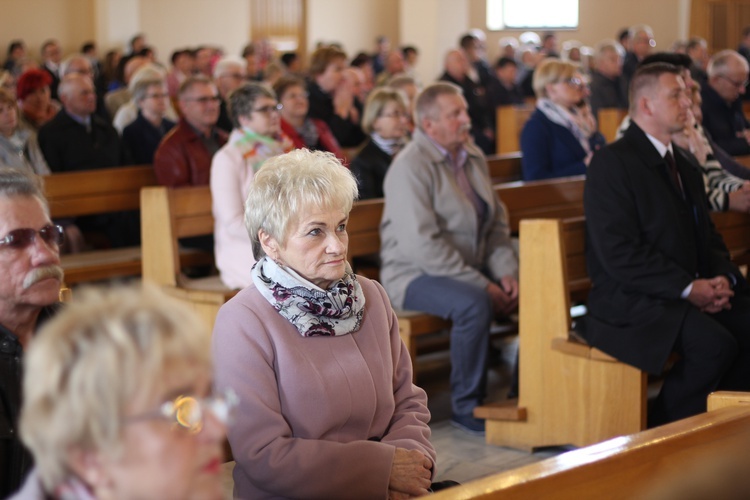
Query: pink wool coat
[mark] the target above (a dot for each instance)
(319, 417)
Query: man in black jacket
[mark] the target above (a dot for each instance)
(662, 278)
(29, 290)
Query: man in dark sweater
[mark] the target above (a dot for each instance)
(29, 290)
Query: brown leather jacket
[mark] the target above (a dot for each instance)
(182, 159)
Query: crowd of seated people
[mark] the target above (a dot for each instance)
(216, 120)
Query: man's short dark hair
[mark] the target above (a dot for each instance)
(360, 60)
(745, 31)
(467, 41)
(14, 44)
(408, 49)
(679, 60)
(248, 50)
(505, 61)
(646, 76)
(623, 34)
(88, 46)
(288, 58)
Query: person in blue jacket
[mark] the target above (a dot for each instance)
(561, 135)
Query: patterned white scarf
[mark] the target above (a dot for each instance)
(312, 310)
(565, 118)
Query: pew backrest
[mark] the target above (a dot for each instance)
(510, 123)
(609, 120)
(621, 468)
(91, 192)
(171, 214)
(551, 198)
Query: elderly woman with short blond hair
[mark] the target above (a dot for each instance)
(386, 120)
(328, 408)
(118, 402)
(560, 137)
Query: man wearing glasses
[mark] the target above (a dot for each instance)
(723, 118)
(29, 290)
(184, 156)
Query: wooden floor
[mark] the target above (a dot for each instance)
(461, 457)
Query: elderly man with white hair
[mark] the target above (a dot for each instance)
(229, 74)
(30, 266)
(607, 85)
(452, 255)
(723, 118)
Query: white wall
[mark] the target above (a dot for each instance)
(434, 27)
(599, 19)
(353, 23)
(171, 24)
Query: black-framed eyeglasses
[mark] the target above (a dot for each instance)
(739, 85)
(51, 234)
(271, 108)
(205, 99)
(189, 413)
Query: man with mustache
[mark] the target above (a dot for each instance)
(29, 291)
(662, 278)
(446, 247)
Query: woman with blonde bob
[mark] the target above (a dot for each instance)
(560, 137)
(386, 119)
(117, 401)
(328, 408)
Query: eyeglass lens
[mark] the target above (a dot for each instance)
(51, 234)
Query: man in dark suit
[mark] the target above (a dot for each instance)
(51, 59)
(662, 278)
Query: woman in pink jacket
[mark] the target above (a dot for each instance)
(327, 407)
(256, 137)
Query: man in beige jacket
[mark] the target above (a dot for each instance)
(446, 248)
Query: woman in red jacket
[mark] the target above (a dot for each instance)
(304, 132)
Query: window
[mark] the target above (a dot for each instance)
(522, 14)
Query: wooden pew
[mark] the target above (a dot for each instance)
(101, 191)
(609, 120)
(570, 392)
(510, 122)
(551, 198)
(624, 467)
(505, 167)
(166, 216)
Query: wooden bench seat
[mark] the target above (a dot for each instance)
(102, 191)
(632, 466)
(166, 216)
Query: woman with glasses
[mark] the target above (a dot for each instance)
(328, 408)
(305, 132)
(386, 120)
(118, 401)
(560, 137)
(18, 142)
(143, 136)
(255, 138)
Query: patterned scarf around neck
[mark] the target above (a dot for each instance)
(312, 310)
(256, 148)
(563, 117)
